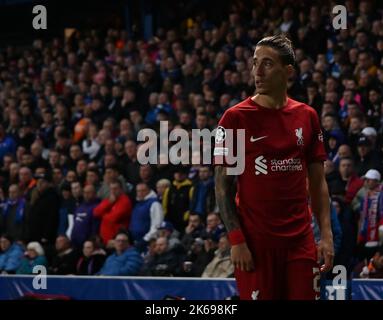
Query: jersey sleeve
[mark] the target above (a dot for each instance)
(316, 151)
(225, 140)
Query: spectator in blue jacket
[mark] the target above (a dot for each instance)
(203, 199)
(34, 256)
(10, 254)
(147, 216)
(85, 225)
(126, 261)
(335, 227)
(12, 214)
(7, 144)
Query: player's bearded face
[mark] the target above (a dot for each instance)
(268, 70)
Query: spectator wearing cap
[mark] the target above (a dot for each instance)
(10, 254)
(13, 213)
(34, 256)
(370, 226)
(84, 224)
(166, 229)
(147, 216)
(42, 214)
(176, 199)
(114, 212)
(371, 135)
(125, 261)
(367, 158)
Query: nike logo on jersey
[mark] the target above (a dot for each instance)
(253, 139)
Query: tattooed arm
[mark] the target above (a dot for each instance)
(225, 195)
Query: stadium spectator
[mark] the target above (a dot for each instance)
(42, 214)
(161, 186)
(197, 258)
(370, 226)
(220, 266)
(194, 229)
(84, 223)
(126, 261)
(7, 143)
(165, 262)
(366, 158)
(65, 258)
(176, 199)
(57, 98)
(147, 215)
(166, 229)
(370, 269)
(349, 183)
(26, 181)
(34, 256)
(203, 199)
(13, 214)
(214, 227)
(111, 173)
(10, 254)
(114, 212)
(92, 259)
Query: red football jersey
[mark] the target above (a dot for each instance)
(271, 192)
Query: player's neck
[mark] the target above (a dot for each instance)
(272, 102)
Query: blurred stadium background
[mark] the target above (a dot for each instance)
(73, 98)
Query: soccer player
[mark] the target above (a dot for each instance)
(268, 221)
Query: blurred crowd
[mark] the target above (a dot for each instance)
(75, 198)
